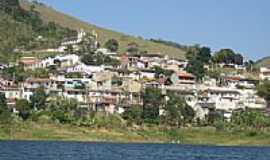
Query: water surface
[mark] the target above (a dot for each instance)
(21, 150)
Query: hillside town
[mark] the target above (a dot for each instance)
(116, 87)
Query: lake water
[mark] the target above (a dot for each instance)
(20, 150)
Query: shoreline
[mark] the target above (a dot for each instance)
(185, 136)
(131, 142)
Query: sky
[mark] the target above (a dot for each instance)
(243, 25)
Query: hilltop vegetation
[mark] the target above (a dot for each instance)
(263, 62)
(24, 29)
(50, 15)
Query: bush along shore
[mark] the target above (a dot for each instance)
(113, 128)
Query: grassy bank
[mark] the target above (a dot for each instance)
(207, 135)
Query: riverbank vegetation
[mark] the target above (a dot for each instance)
(29, 130)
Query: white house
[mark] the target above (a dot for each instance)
(176, 65)
(232, 65)
(265, 73)
(102, 81)
(10, 89)
(240, 81)
(74, 40)
(183, 78)
(224, 98)
(78, 94)
(88, 69)
(31, 84)
(202, 107)
(30, 63)
(62, 60)
(148, 74)
(105, 51)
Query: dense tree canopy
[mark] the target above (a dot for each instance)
(264, 90)
(196, 67)
(24, 108)
(16, 72)
(112, 45)
(160, 71)
(133, 115)
(248, 118)
(99, 59)
(153, 101)
(202, 54)
(63, 110)
(38, 99)
(3, 102)
(198, 57)
(177, 111)
(88, 44)
(228, 56)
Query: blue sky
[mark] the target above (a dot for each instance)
(243, 25)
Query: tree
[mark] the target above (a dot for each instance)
(205, 55)
(69, 49)
(198, 57)
(177, 111)
(249, 65)
(3, 103)
(264, 91)
(24, 108)
(238, 59)
(99, 59)
(153, 100)
(111, 61)
(38, 99)
(5, 115)
(196, 67)
(201, 53)
(250, 118)
(112, 45)
(63, 110)
(214, 74)
(88, 44)
(133, 114)
(39, 73)
(16, 72)
(32, 8)
(228, 56)
(160, 71)
(74, 75)
(224, 56)
(93, 58)
(88, 59)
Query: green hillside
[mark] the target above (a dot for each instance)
(50, 15)
(20, 29)
(263, 62)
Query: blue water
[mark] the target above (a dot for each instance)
(20, 150)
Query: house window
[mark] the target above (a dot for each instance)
(99, 83)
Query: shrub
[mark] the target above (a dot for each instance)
(108, 121)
